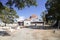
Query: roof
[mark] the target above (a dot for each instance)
(33, 16)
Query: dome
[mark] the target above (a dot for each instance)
(33, 16)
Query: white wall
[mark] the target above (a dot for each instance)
(27, 23)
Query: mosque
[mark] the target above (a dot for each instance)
(31, 21)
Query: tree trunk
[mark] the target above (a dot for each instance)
(56, 24)
(5, 24)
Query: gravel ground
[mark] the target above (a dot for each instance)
(33, 34)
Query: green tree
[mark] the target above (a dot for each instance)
(43, 15)
(1, 7)
(53, 8)
(7, 15)
(20, 3)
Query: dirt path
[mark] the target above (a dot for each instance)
(24, 34)
(34, 34)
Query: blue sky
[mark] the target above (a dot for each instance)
(26, 12)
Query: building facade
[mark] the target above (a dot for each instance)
(31, 21)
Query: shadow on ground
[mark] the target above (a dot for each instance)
(4, 33)
(41, 27)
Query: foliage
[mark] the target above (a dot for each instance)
(43, 15)
(53, 7)
(8, 15)
(20, 4)
(1, 7)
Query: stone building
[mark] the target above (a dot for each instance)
(31, 21)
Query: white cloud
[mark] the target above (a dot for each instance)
(21, 18)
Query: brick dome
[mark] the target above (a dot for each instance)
(33, 16)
